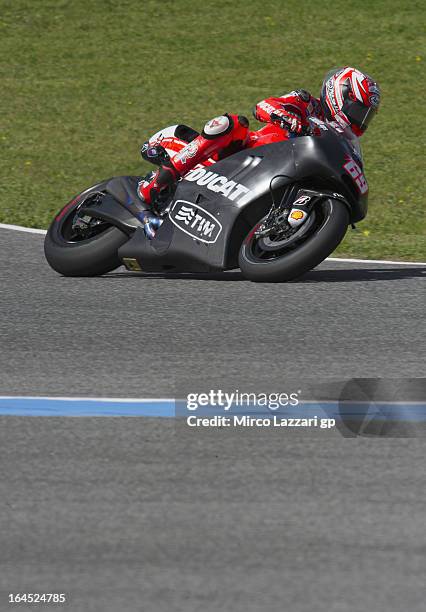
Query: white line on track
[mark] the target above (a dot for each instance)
(378, 261)
(19, 228)
(32, 230)
(155, 400)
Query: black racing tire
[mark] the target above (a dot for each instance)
(90, 257)
(324, 239)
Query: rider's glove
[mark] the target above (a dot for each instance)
(287, 121)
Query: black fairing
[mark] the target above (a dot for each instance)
(310, 161)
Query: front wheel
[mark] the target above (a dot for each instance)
(77, 245)
(276, 259)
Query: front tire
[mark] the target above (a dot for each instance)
(329, 230)
(91, 256)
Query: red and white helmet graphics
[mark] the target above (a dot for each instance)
(350, 97)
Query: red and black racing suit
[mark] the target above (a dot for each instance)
(228, 134)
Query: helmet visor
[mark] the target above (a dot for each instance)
(358, 114)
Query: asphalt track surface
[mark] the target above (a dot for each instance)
(138, 514)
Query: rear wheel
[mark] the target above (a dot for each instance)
(287, 254)
(77, 245)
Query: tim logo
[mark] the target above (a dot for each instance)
(195, 221)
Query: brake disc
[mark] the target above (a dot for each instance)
(268, 244)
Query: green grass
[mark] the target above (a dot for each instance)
(84, 83)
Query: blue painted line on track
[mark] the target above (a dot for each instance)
(22, 406)
(169, 408)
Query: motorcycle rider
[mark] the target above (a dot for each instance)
(349, 99)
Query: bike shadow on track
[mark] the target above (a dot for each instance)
(341, 275)
(360, 275)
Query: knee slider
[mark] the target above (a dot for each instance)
(218, 127)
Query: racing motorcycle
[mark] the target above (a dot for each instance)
(275, 211)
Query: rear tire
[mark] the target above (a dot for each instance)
(324, 239)
(89, 257)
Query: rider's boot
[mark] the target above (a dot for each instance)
(220, 137)
(151, 223)
(152, 190)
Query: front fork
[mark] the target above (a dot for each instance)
(304, 203)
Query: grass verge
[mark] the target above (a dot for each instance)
(84, 83)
